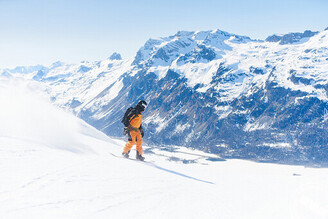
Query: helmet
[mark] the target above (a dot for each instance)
(142, 105)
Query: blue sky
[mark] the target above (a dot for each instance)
(44, 31)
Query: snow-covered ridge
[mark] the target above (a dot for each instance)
(198, 55)
(185, 46)
(206, 88)
(291, 37)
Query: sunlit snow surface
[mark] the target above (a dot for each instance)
(53, 165)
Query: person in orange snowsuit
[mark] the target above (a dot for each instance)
(134, 129)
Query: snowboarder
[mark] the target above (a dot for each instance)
(132, 127)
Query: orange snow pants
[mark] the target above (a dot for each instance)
(135, 139)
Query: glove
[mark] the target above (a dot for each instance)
(142, 132)
(125, 131)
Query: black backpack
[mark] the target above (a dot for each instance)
(130, 112)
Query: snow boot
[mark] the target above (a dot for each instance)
(139, 157)
(126, 155)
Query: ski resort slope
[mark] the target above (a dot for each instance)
(54, 165)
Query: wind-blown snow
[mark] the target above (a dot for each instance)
(27, 114)
(53, 165)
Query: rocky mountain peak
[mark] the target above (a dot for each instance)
(115, 56)
(290, 38)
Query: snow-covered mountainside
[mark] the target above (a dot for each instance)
(54, 165)
(210, 90)
(291, 37)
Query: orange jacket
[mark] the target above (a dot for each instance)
(136, 121)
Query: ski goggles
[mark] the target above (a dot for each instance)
(144, 105)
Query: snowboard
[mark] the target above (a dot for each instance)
(128, 158)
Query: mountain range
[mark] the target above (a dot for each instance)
(210, 90)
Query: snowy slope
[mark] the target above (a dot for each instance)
(53, 165)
